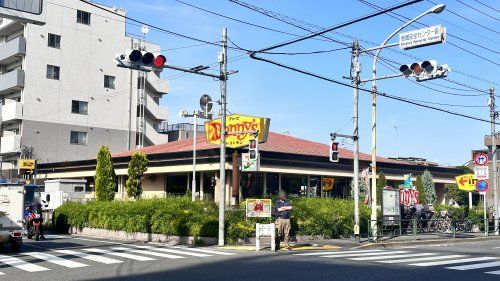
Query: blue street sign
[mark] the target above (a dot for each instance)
(482, 186)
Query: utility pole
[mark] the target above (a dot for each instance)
(355, 71)
(193, 182)
(222, 178)
(493, 115)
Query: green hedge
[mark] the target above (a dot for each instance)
(330, 218)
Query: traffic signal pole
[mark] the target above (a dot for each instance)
(355, 72)
(494, 154)
(222, 171)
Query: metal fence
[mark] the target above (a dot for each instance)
(430, 228)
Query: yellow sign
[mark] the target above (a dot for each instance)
(235, 123)
(328, 183)
(26, 164)
(466, 182)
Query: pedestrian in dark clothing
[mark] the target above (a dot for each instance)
(284, 212)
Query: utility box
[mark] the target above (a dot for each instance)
(64, 190)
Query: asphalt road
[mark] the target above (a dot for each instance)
(75, 258)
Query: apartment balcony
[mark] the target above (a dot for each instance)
(157, 85)
(12, 50)
(158, 112)
(10, 143)
(12, 111)
(153, 136)
(9, 26)
(11, 81)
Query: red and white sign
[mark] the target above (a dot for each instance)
(481, 159)
(408, 197)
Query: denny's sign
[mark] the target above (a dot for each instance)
(237, 123)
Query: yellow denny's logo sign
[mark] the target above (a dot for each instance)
(237, 123)
(26, 164)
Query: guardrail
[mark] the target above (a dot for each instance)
(430, 228)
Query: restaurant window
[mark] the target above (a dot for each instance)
(252, 185)
(177, 184)
(273, 184)
(294, 185)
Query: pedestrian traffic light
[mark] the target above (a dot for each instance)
(425, 70)
(334, 151)
(253, 149)
(140, 60)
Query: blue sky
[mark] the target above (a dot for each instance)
(310, 108)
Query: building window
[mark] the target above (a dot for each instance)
(83, 17)
(54, 41)
(53, 72)
(109, 82)
(79, 107)
(78, 137)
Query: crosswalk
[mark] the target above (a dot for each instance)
(449, 261)
(85, 257)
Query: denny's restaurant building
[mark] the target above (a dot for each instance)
(287, 163)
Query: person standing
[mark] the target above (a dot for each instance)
(284, 212)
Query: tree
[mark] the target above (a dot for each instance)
(105, 177)
(363, 189)
(429, 189)
(421, 191)
(136, 168)
(381, 183)
(461, 197)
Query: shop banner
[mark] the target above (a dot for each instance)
(258, 208)
(237, 123)
(328, 184)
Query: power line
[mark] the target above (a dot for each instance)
(382, 94)
(477, 10)
(467, 19)
(487, 6)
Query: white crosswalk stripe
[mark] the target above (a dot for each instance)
(475, 266)
(55, 260)
(19, 263)
(321, 253)
(423, 259)
(168, 250)
(447, 262)
(354, 255)
(145, 252)
(393, 255)
(91, 257)
(119, 254)
(204, 251)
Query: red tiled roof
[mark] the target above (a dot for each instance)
(275, 143)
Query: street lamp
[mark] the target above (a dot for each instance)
(434, 10)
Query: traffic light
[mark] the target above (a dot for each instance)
(253, 149)
(425, 70)
(334, 151)
(140, 60)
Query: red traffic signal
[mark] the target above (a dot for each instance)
(335, 146)
(159, 61)
(140, 60)
(334, 151)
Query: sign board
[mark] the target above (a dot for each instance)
(481, 159)
(328, 184)
(30, 11)
(390, 202)
(26, 164)
(249, 165)
(237, 123)
(407, 181)
(422, 37)
(258, 208)
(409, 197)
(481, 172)
(466, 182)
(268, 230)
(482, 186)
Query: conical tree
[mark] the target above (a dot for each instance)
(363, 189)
(381, 183)
(430, 190)
(421, 192)
(136, 168)
(105, 177)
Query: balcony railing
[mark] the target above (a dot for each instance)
(12, 50)
(11, 81)
(12, 111)
(10, 143)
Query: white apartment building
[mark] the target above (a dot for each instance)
(61, 91)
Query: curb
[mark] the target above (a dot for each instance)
(423, 242)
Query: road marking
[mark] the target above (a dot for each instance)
(53, 236)
(91, 257)
(497, 272)
(390, 256)
(102, 241)
(167, 250)
(424, 259)
(118, 254)
(203, 250)
(337, 253)
(475, 266)
(151, 253)
(362, 254)
(56, 260)
(19, 263)
(433, 263)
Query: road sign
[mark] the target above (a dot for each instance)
(481, 159)
(422, 37)
(248, 164)
(258, 208)
(482, 186)
(206, 103)
(481, 172)
(466, 182)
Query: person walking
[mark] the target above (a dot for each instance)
(284, 212)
